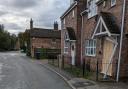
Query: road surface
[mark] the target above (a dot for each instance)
(19, 72)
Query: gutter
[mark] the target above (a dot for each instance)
(82, 13)
(68, 10)
(121, 40)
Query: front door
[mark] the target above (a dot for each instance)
(73, 53)
(107, 52)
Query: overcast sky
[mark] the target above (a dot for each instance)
(15, 14)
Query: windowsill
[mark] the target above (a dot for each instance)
(91, 55)
(67, 39)
(113, 5)
(65, 52)
(91, 17)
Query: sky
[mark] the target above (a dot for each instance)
(16, 14)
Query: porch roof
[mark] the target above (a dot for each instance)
(110, 22)
(106, 25)
(71, 33)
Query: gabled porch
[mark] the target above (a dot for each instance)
(70, 45)
(107, 31)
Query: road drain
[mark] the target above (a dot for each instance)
(82, 84)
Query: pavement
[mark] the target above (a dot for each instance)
(81, 83)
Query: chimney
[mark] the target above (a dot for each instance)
(56, 25)
(31, 24)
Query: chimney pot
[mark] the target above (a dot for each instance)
(56, 25)
(31, 24)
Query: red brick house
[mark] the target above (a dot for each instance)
(104, 36)
(44, 38)
(71, 32)
(101, 33)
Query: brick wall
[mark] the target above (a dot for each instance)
(75, 23)
(88, 29)
(69, 22)
(44, 43)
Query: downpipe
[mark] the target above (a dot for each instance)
(121, 40)
(82, 41)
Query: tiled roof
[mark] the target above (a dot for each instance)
(71, 33)
(110, 22)
(45, 33)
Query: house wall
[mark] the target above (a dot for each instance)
(126, 18)
(124, 55)
(69, 22)
(44, 43)
(88, 29)
(75, 23)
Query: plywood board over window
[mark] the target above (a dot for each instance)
(107, 52)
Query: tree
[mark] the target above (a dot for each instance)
(24, 39)
(7, 41)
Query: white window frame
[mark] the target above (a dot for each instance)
(90, 47)
(66, 38)
(113, 3)
(92, 7)
(73, 14)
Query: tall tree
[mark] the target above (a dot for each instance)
(7, 41)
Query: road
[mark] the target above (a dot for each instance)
(19, 72)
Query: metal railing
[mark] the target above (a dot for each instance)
(89, 70)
